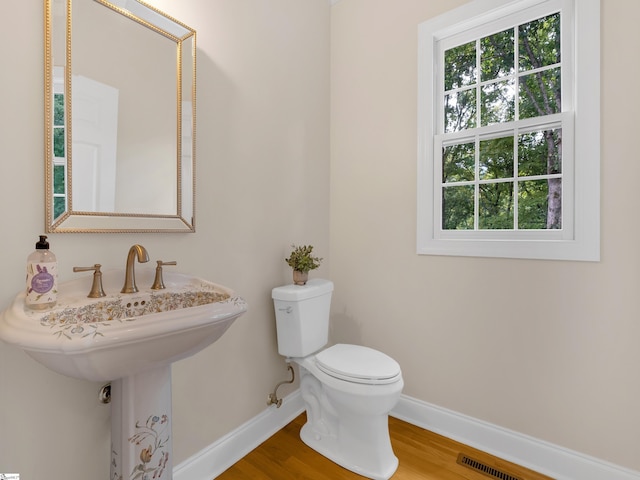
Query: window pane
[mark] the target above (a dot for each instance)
(540, 93)
(540, 153)
(457, 208)
(460, 111)
(58, 109)
(58, 206)
(496, 206)
(496, 158)
(540, 204)
(539, 43)
(58, 142)
(461, 66)
(58, 179)
(497, 55)
(458, 163)
(498, 102)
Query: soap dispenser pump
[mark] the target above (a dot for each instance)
(42, 277)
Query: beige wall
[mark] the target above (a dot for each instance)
(263, 183)
(549, 349)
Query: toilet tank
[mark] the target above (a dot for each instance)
(302, 317)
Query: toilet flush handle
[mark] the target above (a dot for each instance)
(286, 310)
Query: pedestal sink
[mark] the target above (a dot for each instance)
(129, 340)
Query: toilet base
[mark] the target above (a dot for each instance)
(380, 465)
(348, 422)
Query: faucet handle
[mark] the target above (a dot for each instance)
(158, 283)
(96, 286)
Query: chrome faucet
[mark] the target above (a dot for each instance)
(130, 275)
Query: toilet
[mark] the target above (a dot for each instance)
(348, 390)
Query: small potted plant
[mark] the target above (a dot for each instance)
(302, 260)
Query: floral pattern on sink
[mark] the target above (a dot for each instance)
(153, 433)
(89, 320)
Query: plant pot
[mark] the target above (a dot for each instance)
(300, 278)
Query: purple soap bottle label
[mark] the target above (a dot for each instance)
(42, 283)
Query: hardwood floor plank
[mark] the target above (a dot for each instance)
(423, 455)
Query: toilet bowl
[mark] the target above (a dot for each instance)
(347, 420)
(348, 390)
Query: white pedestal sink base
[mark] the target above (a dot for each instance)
(141, 443)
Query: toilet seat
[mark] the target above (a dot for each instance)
(357, 364)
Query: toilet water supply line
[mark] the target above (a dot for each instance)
(273, 397)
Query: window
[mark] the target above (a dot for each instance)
(59, 147)
(509, 130)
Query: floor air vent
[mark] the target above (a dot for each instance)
(478, 466)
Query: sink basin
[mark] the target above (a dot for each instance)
(122, 334)
(129, 340)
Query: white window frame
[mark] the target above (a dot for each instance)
(579, 239)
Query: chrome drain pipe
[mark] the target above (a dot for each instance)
(105, 394)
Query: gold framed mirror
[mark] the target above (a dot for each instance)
(120, 91)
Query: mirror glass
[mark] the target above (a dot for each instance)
(120, 118)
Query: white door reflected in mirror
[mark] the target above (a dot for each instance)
(95, 143)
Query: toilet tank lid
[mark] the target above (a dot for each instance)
(293, 293)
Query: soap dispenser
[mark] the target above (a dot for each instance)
(42, 277)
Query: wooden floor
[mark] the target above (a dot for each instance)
(423, 455)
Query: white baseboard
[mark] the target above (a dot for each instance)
(543, 457)
(220, 455)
